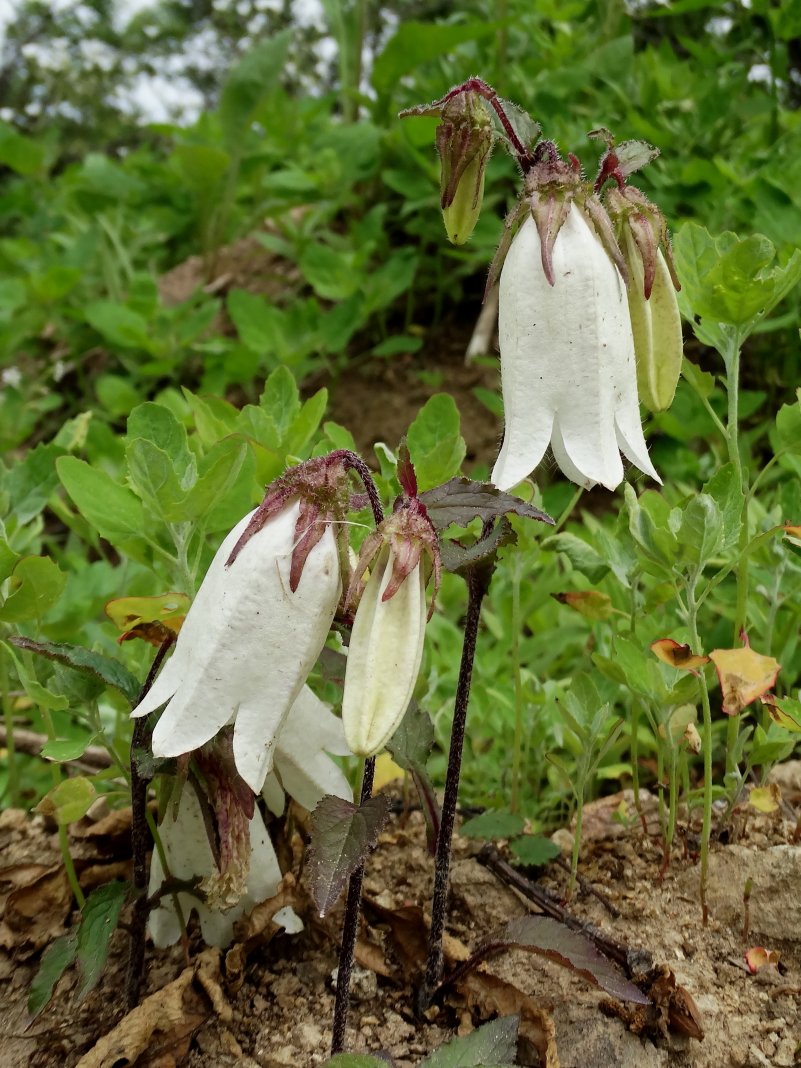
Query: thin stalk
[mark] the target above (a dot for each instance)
(567, 511)
(8, 720)
(477, 588)
(350, 928)
(63, 837)
(706, 740)
(517, 676)
(634, 751)
(574, 857)
(140, 840)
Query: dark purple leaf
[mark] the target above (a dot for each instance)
(343, 834)
(461, 500)
(551, 939)
(458, 558)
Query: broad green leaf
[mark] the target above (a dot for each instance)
(118, 324)
(102, 667)
(152, 475)
(493, 824)
(116, 394)
(248, 84)
(99, 917)
(725, 490)
(354, 1060)
(66, 749)
(257, 322)
(416, 43)
(784, 711)
(701, 529)
(331, 273)
(534, 850)
(158, 424)
(35, 585)
(214, 485)
(55, 960)
(8, 559)
(342, 836)
(22, 154)
(69, 801)
(413, 741)
(214, 417)
(306, 424)
(580, 554)
(280, 401)
(436, 446)
(202, 168)
(114, 511)
(492, 1045)
(31, 481)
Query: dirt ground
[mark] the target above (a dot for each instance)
(268, 1003)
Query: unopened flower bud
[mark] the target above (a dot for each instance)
(464, 143)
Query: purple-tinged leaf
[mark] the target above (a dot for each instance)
(458, 558)
(343, 834)
(493, 1044)
(76, 657)
(551, 939)
(460, 500)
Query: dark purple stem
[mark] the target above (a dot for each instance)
(355, 463)
(477, 588)
(350, 927)
(140, 839)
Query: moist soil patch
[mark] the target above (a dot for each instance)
(271, 1006)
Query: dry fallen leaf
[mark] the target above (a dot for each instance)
(37, 907)
(758, 958)
(161, 1027)
(257, 928)
(744, 676)
(678, 656)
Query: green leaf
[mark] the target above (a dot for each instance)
(22, 154)
(580, 554)
(70, 800)
(342, 836)
(436, 446)
(31, 481)
(414, 739)
(118, 324)
(55, 960)
(306, 424)
(701, 530)
(280, 400)
(38, 693)
(534, 850)
(725, 490)
(214, 485)
(331, 273)
(354, 1060)
(114, 511)
(62, 750)
(494, 824)
(492, 1045)
(8, 559)
(88, 662)
(152, 475)
(116, 394)
(257, 322)
(99, 917)
(35, 585)
(247, 85)
(159, 425)
(416, 43)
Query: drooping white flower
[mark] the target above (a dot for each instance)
(186, 845)
(247, 645)
(567, 361)
(303, 767)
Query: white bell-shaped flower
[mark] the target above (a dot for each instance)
(567, 361)
(247, 645)
(186, 846)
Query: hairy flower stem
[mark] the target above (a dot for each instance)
(355, 463)
(140, 839)
(706, 742)
(350, 927)
(477, 586)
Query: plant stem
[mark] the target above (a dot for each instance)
(140, 839)
(63, 837)
(574, 857)
(477, 587)
(706, 740)
(8, 719)
(350, 928)
(517, 676)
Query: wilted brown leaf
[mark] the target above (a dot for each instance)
(158, 1031)
(150, 618)
(744, 676)
(37, 908)
(758, 958)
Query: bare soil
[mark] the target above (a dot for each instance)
(268, 1003)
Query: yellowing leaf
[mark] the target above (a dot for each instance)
(591, 604)
(677, 655)
(785, 711)
(68, 801)
(758, 958)
(744, 675)
(765, 798)
(151, 618)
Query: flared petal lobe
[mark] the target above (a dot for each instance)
(384, 656)
(567, 361)
(247, 646)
